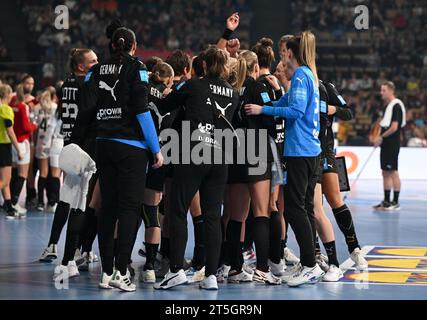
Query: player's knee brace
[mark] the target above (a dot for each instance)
(150, 215)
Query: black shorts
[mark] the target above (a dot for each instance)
(240, 173)
(5, 154)
(156, 177)
(329, 163)
(389, 156)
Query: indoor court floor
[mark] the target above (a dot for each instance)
(395, 244)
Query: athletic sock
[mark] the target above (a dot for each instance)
(282, 248)
(75, 223)
(91, 229)
(317, 250)
(59, 220)
(262, 239)
(199, 252)
(345, 223)
(275, 235)
(387, 195)
(41, 186)
(396, 196)
(234, 229)
(53, 190)
(150, 252)
(16, 189)
(331, 251)
(7, 205)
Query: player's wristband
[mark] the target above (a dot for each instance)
(227, 34)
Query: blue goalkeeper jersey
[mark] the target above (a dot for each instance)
(300, 108)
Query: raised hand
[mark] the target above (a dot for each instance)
(233, 21)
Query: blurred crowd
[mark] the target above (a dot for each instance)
(358, 61)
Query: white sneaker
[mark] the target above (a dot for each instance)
(73, 271)
(306, 275)
(104, 282)
(209, 283)
(122, 282)
(49, 254)
(249, 268)
(93, 257)
(278, 269)
(322, 261)
(289, 256)
(222, 273)
(66, 272)
(266, 277)
(334, 274)
(358, 259)
(196, 275)
(289, 272)
(51, 208)
(77, 255)
(172, 280)
(239, 276)
(21, 211)
(148, 276)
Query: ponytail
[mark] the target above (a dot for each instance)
(308, 53)
(304, 49)
(245, 65)
(160, 72)
(242, 71)
(122, 41)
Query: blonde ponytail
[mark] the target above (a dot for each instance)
(246, 62)
(308, 53)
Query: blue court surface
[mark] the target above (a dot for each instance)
(395, 244)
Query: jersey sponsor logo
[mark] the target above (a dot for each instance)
(207, 128)
(105, 86)
(265, 97)
(218, 107)
(109, 114)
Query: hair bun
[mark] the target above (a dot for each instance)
(113, 26)
(266, 42)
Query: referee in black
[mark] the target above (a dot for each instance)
(394, 119)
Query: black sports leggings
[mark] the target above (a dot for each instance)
(122, 172)
(210, 180)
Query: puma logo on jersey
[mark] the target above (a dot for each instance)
(103, 85)
(153, 107)
(300, 80)
(222, 110)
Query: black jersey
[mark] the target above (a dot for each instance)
(324, 100)
(343, 112)
(255, 92)
(70, 104)
(155, 94)
(275, 95)
(208, 104)
(115, 95)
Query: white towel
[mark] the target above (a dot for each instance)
(79, 167)
(386, 121)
